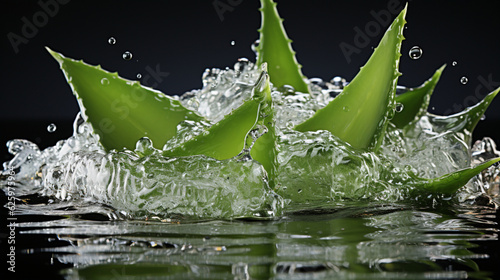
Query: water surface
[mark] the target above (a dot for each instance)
(355, 241)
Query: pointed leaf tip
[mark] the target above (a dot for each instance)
(57, 56)
(450, 183)
(228, 137)
(360, 114)
(275, 48)
(465, 121)
(121, 111)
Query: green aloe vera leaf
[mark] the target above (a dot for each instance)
(360, 114)
(464, 122)
(228, 137)
(122, 111)
(275, 48)
(450, 183)
(415, 101)
(264, 149)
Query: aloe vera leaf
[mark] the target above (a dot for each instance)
(264, 149)
(228, 137)
(464, 122)
(450, 183)
(119, 110)
(360, 114)
(415, 101)
(275, 48)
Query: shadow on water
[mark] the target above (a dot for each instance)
(351, 242)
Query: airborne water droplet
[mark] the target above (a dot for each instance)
(415, 52)
(454, 63)
(111, 40)
(127, 55)
(399, 107)
(233, 43)
(464, 80)
(139, 75)
(104, 82)
(483, 117)
(51, 128)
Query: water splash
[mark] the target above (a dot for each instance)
(80, 169)
(415, 52)
(314, 167)
(127, 55)
(223, 90)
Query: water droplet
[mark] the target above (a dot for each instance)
(483, 117)
(433, 108)
(345, 109)
(139, 75)
(454, 63)
(104, 82)
(111, 40)
(399, 107)
(241, 66)
(299, 190)
(287, 90)
(255, 45)
(233, 43)
(127, 55)
(415, 52)
(338, 82)
(51, 128)
(464, 80)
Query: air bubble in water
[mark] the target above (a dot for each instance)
(51, 128)
(111, 40)
(464, 80)
(415, 52)
(104, 82)
(399, 107)
(127, 55)
(454, 63)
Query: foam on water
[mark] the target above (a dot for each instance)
(314, 167)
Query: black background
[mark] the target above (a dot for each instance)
(185, 37)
